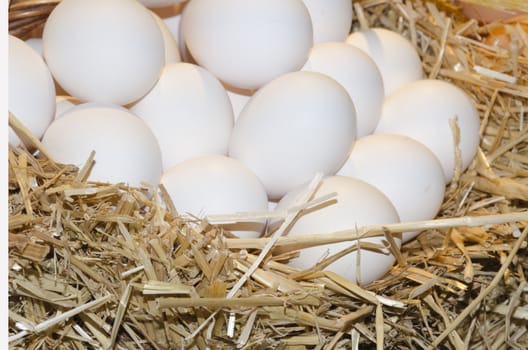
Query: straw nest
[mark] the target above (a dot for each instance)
(95, 265)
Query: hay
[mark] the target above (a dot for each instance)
(95, 265)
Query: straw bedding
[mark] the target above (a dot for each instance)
(95, 265)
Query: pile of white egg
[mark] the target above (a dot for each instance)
(235, 105)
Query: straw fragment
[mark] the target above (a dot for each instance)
(309, 240)
(64, 316)
(482, 295)
(27, 137)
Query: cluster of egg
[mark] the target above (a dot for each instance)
(259, 96)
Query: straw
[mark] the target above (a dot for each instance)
(103, 265)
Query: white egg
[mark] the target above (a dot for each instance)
(64, 104)
(422, 110)
(31, 95)
(217, 185)
(272, 205)
(160, 3)
(359, 75)
(36, 44)
(239, 98)
(173, 22)
(297, 125)
(73, 104)
(248, 43)
(356, 204)
(331, 19)
(172, 52)
(396, 57)
(125, 148)
(189, 112)
(104, 51)
(406, 171)
(172, 18)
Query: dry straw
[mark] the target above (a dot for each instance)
(104, 266)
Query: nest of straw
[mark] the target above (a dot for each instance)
(104, 266)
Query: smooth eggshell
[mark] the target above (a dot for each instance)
(64, 104)
(159, 3)
(104, 51)
(405, 170)
(357, 204)
(422, 110)
(396, 57)
(74, 105)
(272, 205)
(125, 148)
(239, 98)
(248, 43)
(189, 112)
(31, 95)
(359, 75)
(36, 44)
(216, 185)
(331, 19)
(171, 16)
(172, 51)
(298, 125)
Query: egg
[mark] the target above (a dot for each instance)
(423, 109)
(356, 204)
(331, 19)
(31, 95)
(216, 185)
(396, 57)
(239, 98)
(172, 16)
(295, 126)
(189, 112)
(125, 148)
(160, 3)
(71, 104)
(403, 169)
(36, 44)
(172, 52)
(359, 75)
(63, 104)
(104, 51)
(248, 43)
(272, 205)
